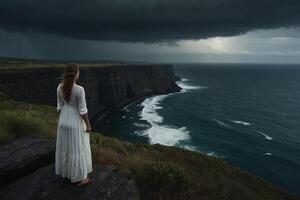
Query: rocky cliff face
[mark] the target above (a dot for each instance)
(106, 86)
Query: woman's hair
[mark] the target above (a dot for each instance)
(69, 77)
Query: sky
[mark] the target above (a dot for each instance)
(258, 31)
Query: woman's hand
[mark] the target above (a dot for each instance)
(87, 122)
(88, 128)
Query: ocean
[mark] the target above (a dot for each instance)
(245, 114)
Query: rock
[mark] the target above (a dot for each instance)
(27, 172)
(108, 183)
(23, 156)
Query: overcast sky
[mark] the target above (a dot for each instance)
(152, 30)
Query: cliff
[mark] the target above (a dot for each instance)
(107, 86)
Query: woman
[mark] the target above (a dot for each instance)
(73, 153)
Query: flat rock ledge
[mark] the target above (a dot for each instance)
(37, 180)
(23, 156)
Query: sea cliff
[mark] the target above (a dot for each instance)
(106, 86)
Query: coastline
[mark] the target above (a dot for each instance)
(154, 166)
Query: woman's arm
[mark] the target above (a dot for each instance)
(87, 122)
(83, 109)
(60, 102)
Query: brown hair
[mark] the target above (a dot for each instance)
(69, 78)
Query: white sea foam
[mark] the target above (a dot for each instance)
(184, 79)
(150, 105)
(185, 86)
(190, 147)
(211, 153)
(241, 122)
(158, 133)
(265, 135)
(141, 125)
(167, 135)
(141, 133)
(221, 123)
(268, 154)
(194, 148)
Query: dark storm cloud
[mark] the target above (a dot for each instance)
(147, 20)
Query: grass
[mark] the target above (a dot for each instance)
(11, 63)
(18, 119)
(161, 172)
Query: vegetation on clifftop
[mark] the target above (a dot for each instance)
(19, 63)
(161, 172)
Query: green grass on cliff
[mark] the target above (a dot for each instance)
(18, 119)
(161, 172)
(31, 65)
(17, 63)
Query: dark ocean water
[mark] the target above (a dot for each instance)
(248, 115)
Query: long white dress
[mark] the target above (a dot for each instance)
(73, 152)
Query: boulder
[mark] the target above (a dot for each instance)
(23, 156)
(108, 183)
(27, 172)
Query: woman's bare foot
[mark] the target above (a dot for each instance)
(84, 181)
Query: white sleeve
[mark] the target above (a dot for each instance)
(60, 102)
(82, 102)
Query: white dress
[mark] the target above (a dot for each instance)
(73, 152)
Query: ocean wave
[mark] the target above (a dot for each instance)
(158, 133)
(221, 123)
(263, 134)
(166, 135)
(141, 125)
(268, 154)
(184, 79)
(190, 147)
(241, 122)
(140, 133)
(214, 154)
(150, 105)
(185, 86)
(210, 153)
